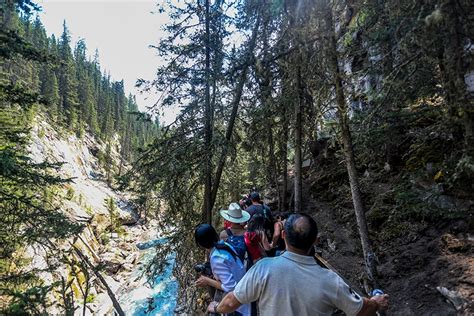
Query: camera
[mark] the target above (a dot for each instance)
(204, 268)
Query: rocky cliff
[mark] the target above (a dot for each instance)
(90, 201)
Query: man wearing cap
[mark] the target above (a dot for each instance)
(237, 219)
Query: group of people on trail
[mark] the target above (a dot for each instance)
(263, 264)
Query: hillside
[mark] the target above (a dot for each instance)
(120, 248)
(426, 266)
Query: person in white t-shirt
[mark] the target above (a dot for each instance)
(294, 284)
(227, 268)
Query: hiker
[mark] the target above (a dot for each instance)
(226, 266)
(255, 239)
(294, 284)
(234, 235)
(258, 207)
(277, 241)
(236, 219)
(227, 224)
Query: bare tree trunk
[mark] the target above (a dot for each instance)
(85, 293)
(342, 116)
(111, 294)
(267, 100)
(461, 104)
(298, 135)
(271, 156)
(284, 160)
(207, 208)
(235, 106)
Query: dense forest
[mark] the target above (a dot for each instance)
(359, 113)
(43, 78)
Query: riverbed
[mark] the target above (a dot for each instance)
(150, 295)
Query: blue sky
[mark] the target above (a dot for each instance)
(121, 30)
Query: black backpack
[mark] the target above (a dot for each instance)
(268, 223)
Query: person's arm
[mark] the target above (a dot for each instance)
(222, 272)
(351, 303)
(228, 304)
(276, 233)
(246, 291)
(374, 304)
(207, 281)
(264, 240)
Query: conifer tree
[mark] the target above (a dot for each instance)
(67, 80)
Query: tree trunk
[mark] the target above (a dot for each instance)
(207, 208)
(111, 294)
(267, 101)
(298, 135)
(461, 104)
(342, 116)
(284, 160)
(235, 106)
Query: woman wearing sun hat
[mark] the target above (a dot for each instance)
(235, 234)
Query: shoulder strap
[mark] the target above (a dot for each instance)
(227, 247)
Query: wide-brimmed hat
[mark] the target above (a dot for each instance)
(235, 214)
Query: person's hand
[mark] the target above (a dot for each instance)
(210, 308)
(202, 281)
(381, 300)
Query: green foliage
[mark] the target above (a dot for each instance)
(31, 301)
(70, 193)
(115, 223)
(90, 298)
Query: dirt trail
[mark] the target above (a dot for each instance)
(411, 267)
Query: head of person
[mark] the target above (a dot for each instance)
(256, 223)
(281, 216)
(235, 215)
(205, 236)
(300, 232)
(255, 197)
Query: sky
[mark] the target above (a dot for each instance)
(122, 32)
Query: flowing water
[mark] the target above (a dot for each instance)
(156, 296)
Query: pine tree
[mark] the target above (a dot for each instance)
(67, 80)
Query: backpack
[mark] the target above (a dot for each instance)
(268, 224)
(238, 243)
(222, 245)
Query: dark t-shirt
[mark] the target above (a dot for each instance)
(258, 209)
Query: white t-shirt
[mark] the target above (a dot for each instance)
(293, 284)
(229, 271)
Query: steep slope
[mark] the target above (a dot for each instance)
(425, 264)
(90, 201)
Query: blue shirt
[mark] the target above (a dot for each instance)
(228, 271)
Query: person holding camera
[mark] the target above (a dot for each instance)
(226, 266)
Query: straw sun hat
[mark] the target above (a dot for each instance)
(235, 214)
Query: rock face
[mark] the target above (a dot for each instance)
(84, 201)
